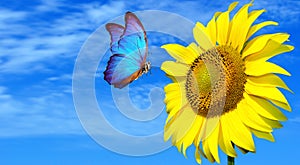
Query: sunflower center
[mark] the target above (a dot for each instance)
(215, 81)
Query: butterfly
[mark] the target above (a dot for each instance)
(129, 47)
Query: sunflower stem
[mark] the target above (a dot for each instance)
(230, 160)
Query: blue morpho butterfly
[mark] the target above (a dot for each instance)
(129, 47)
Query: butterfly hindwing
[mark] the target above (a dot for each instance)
(119, 68)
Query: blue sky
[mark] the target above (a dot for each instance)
(39, 44)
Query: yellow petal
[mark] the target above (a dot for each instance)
(257, 27)
(257, 44)
(181, 102)
(172, 89)
(174, 68)
(222, 28)
(194, 48)
(268, 80)
(181, 53)
(207, 151)
(185, 123)
(237, 130)
(172, 105)
(177, 79)
(202, 37)
(239, 27)
(264, 108)
(175, 88)
(175, 97)
(258, 68)
(179, 146)
(232, 6)
(191, 134)
(265, 92)
(209, 126)
(212, 141)
(169, 122)
(272, 49)
(197, 156)
(225, 142)
(199, 135)
(217, 14)
(263, 135)
(209, 133)
(244, 151)
(285, 106)
(251, 118)
(254, 15)
(273, 123)
(181, 124)
(271, 45)
(212, 30)
(245, 29)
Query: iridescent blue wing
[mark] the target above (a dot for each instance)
(129, 52)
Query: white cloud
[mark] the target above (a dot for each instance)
(26, 43)
(28, 46)
(61, 77)
(285, 12)
(49, 6)
(193, 10)
(140, 95)
(52, 39)
(100, 13)
(3, 94)
(39, 115)
(295, 119)
(8, 16)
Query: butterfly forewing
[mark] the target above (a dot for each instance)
(115, 32)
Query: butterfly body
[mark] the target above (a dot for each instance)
(129, 47)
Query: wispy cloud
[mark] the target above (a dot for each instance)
(24, 42)
(197, 10)
(285, 12)
(144, 97)
(9, 16)
(27, 38)
(3, 94)
(49, 114)
(295, 119)
(51, 34)
(67, 77)
(50, 6)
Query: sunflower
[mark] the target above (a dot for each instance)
(224, 89)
